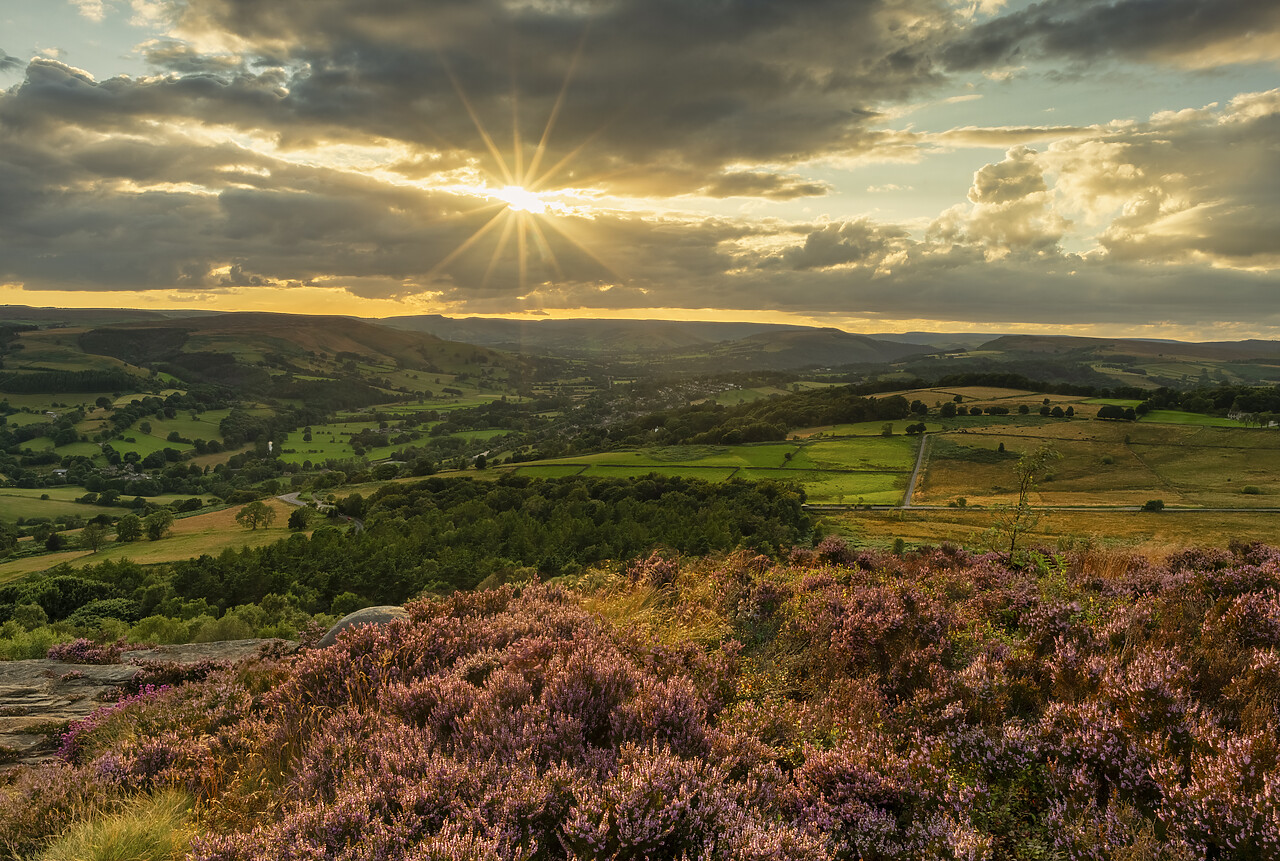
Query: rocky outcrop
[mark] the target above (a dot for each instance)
(367, 616)
(39, 698)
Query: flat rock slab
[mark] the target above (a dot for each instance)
(367, 616)
(39, 698)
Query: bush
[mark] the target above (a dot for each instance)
(17, 644)
(1251, 489)
(1153, 505)
(159, 630)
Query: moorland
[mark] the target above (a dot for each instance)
(785, 592)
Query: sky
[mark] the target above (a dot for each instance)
(1107, 167)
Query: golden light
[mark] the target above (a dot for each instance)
(527, 209)
(520, 199)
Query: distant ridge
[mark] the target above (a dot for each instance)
(90, 316)
(579, 336)
(1060, 344)
(694, 345)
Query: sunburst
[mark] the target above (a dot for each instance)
(520, 191)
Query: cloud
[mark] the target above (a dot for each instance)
(666, 86)
(1190, 33)
(323, 143)
(761, 183)
(851, 243)
(94, 10)
(1011, 210)
(8, 63)
(1190, 186)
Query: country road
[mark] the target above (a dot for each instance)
(915, 473)
(292, 499)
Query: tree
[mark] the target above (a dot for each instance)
(1013, 521)
(158, 523)
(255, 514)
(93, 536)
(300, 518)
(129, 528)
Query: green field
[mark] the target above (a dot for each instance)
(851, 470)
(1177, 417)
(600, 470)
(849, 488)
(550, 470)
(19, 502)
(733, 397)
(872, 428)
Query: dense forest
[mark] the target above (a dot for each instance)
(435, 536)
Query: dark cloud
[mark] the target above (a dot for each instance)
(1193, 32)
(8, 63)
(760, 183)
(842, 244)
(667, 84)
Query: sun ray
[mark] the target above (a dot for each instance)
(540, 181)
(544, 248)
(567, 234)
(517, 145)
(475, 119)
(498, 249)
(555, 109)
(522, 253)
(461, 249)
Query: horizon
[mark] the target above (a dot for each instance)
(178, 313)
(916, 165)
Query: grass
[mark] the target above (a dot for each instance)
(17, 502)
(733, 397)
(1188, 465)
(863, 429)
(151, 828)
(1146, 532)
(477, 435)
(872, 488)
(1177, 417)
(550, 470)
(871, 470)
(199, 534)
(704, 473)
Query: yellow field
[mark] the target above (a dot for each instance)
(191, 536)
(1148, 532)
(1182, 465)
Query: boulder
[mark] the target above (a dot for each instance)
(367, 616)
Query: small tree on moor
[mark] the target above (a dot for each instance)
(1013, 521)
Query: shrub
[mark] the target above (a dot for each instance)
(1153, 505)
(1251, 489)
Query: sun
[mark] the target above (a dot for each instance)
(521, 199)
(526, 212)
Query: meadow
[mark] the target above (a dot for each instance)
(191, 536)
(872, 469)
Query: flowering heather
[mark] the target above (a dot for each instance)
(851, 705)
(84, 651)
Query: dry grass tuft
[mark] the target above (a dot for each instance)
(154, 828)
